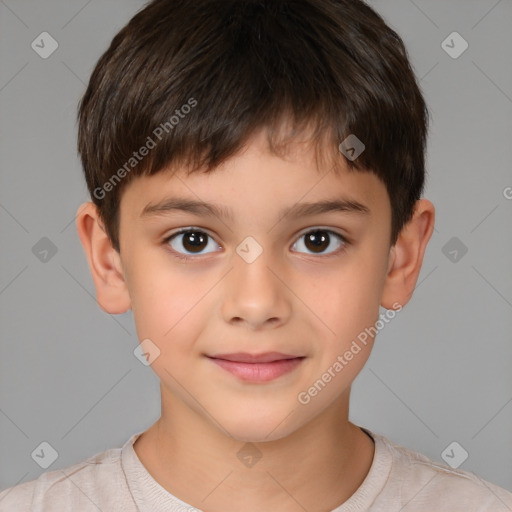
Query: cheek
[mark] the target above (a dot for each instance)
(346, 301)
(166, 305)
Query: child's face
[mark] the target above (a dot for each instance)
(302, 296)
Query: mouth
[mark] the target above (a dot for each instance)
(257, 367)
(244, 357)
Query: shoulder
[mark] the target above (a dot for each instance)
(422, 484)
(95, 481)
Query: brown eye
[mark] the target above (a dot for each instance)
(192, 241)
(318, 240)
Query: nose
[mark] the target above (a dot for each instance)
(255, 294)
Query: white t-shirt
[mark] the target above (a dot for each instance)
(116, 481)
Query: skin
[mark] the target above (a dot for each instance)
(290, 299)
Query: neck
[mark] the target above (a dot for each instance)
(198, 463)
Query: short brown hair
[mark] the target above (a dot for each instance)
(192, 80)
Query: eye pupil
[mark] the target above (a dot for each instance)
(317, 239)
(194, 239)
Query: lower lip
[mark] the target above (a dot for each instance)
(259, 372)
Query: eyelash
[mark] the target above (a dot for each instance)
(184, 257)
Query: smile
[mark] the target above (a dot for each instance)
(258, 371)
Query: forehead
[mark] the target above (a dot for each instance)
(258, 182)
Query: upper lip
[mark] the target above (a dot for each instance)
(244, 357)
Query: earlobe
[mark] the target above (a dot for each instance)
(104, 261)
(407, 254)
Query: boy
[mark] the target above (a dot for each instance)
(256, 169)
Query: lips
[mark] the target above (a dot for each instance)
(257, 368)
(244, 357)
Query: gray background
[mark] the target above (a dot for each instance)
(439, 372)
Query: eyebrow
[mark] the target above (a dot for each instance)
(211, 210)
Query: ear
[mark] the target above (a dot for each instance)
(104, 261)
(406, 256)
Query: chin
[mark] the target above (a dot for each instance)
(254, 428)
